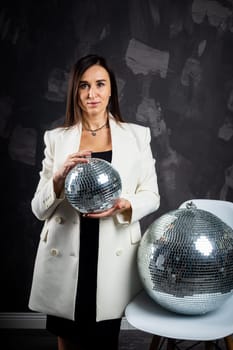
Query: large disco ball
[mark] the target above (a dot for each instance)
(93, 186)
(185, 261)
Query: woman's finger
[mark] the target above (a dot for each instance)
(101, 214)
(80, 154)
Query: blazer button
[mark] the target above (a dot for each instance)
(58, 219)
(118, 252)
(54, 252)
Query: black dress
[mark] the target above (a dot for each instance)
(85, 331)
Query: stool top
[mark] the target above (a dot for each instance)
(145, 314)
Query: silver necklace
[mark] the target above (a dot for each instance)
(93, 131)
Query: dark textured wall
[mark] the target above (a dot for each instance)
(174, 67)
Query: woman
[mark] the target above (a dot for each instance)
(85, 271)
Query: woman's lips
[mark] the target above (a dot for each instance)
(92, 104)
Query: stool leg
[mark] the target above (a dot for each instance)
(171, 343)
(155, 342)
(209, 345)
(229, 342)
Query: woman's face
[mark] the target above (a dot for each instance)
(94, 91)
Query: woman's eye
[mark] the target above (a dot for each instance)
(83, 86)
(99, 84)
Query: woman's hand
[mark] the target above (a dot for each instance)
(60, 175)
(121, 206)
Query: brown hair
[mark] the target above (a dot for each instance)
(73, 111)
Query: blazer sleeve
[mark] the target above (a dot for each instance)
(45, 201)
(146, 198)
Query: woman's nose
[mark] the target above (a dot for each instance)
(91, 92)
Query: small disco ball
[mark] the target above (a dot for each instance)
(185, 261)
(93, 186)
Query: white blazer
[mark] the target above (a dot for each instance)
(55, 274)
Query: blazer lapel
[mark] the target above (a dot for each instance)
(73, 140)
(67, 143)
(123, 149)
